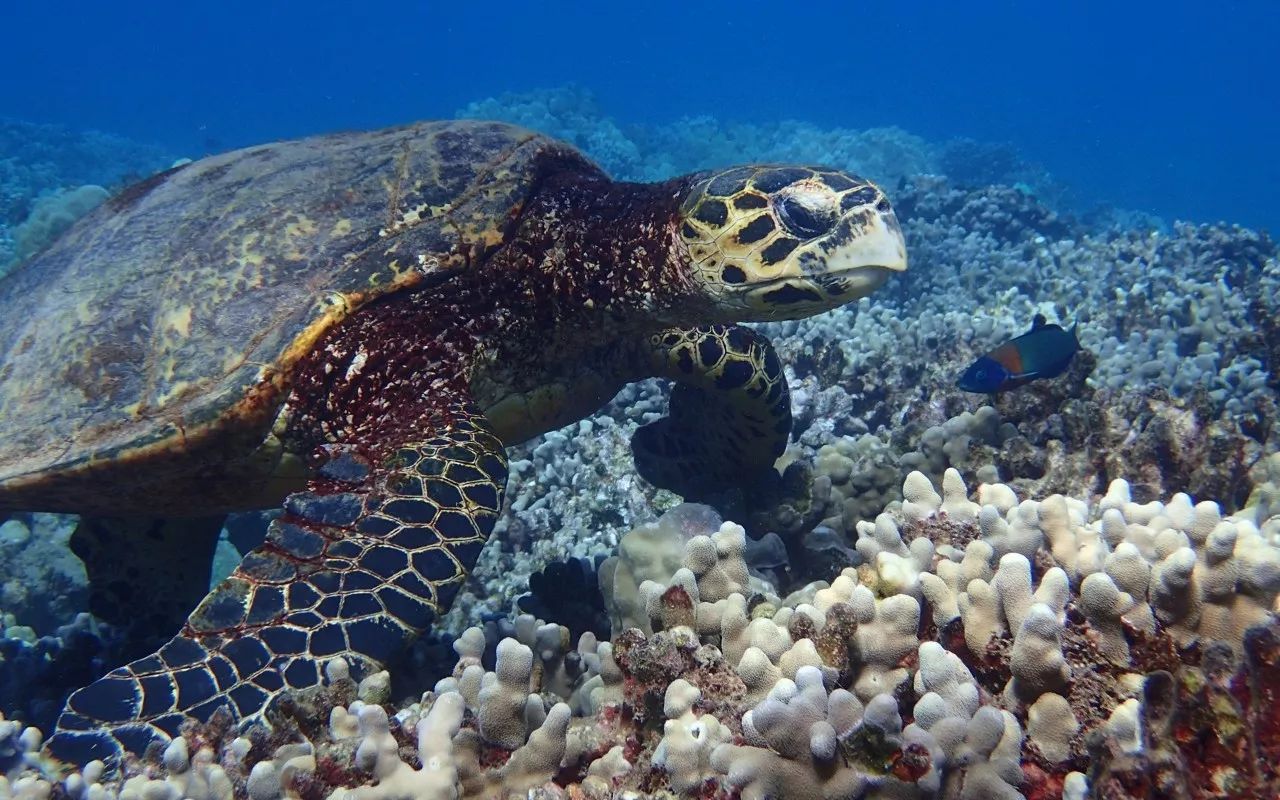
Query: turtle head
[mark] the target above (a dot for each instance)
(785, 242)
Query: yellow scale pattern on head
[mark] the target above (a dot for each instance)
(717, 245)
(737, 229)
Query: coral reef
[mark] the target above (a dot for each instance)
(51, 215)
(656, 152)
(988, 646)
(42, 585)
(36, 674)
(41, 161)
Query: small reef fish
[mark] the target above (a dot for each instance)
(1045, 351)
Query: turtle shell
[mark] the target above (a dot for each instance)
(157, 336)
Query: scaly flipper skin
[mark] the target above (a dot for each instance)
(355, 568)
(730, 412)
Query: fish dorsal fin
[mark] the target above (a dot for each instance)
(1038, 322)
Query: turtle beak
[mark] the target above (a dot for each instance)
(878, 245)
(893, 231)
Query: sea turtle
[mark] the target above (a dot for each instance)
(354, 325)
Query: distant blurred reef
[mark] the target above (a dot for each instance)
(51, 174)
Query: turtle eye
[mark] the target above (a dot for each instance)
(802, 220)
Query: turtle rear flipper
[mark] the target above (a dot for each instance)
(146, 574)
(356, 567)
(730, 411)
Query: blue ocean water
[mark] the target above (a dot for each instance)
(1169, 108)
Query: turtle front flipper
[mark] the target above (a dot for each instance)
(356, 567)
(730, 411)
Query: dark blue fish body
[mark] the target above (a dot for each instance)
(1045, 351)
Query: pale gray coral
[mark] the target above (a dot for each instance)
(688, 739)
(944, 685)
(1051, 724)
(18, 746)
(505, 709)
(651, 552)
(808, 679)
(1178, 563)
(438, 776)
(854, 478)
(793, 740)
(1037, 661)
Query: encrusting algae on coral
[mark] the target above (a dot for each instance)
(986, 648)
